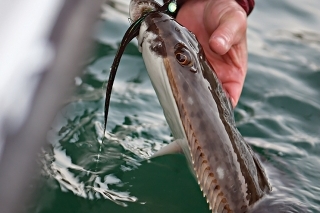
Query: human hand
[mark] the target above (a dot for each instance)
(220, 27)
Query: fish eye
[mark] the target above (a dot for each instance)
(182, 59)
(183, 56)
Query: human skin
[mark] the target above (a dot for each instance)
(220, 26)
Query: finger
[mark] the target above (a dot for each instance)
(234, 91)
(232, 70)
(230, 31)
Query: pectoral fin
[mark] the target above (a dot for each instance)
(171, 148)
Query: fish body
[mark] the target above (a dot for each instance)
(200, 115)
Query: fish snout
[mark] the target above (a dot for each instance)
(139, 7)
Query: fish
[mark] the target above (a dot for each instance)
(200, 115)
(197, 109)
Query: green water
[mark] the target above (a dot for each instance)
(278, 113)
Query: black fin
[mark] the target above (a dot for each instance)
(132, 32)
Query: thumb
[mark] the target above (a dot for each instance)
(231, 29)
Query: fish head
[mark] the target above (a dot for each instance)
(175, 44)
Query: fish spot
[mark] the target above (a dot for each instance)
(158, 48)
(220, 172)
(200, 113)
(185, 86)
(190, 100)
(216, 158)
(157, 44)
(202, 125)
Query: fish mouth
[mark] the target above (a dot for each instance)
(138, 8)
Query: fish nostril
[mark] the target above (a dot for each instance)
(193, 69)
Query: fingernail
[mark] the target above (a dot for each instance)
(233, 102)
(219, 45)
(221, 41)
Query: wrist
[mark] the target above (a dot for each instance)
(247, 5)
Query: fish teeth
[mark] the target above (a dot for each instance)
(218, 200)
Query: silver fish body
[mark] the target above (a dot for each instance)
(199, 112)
